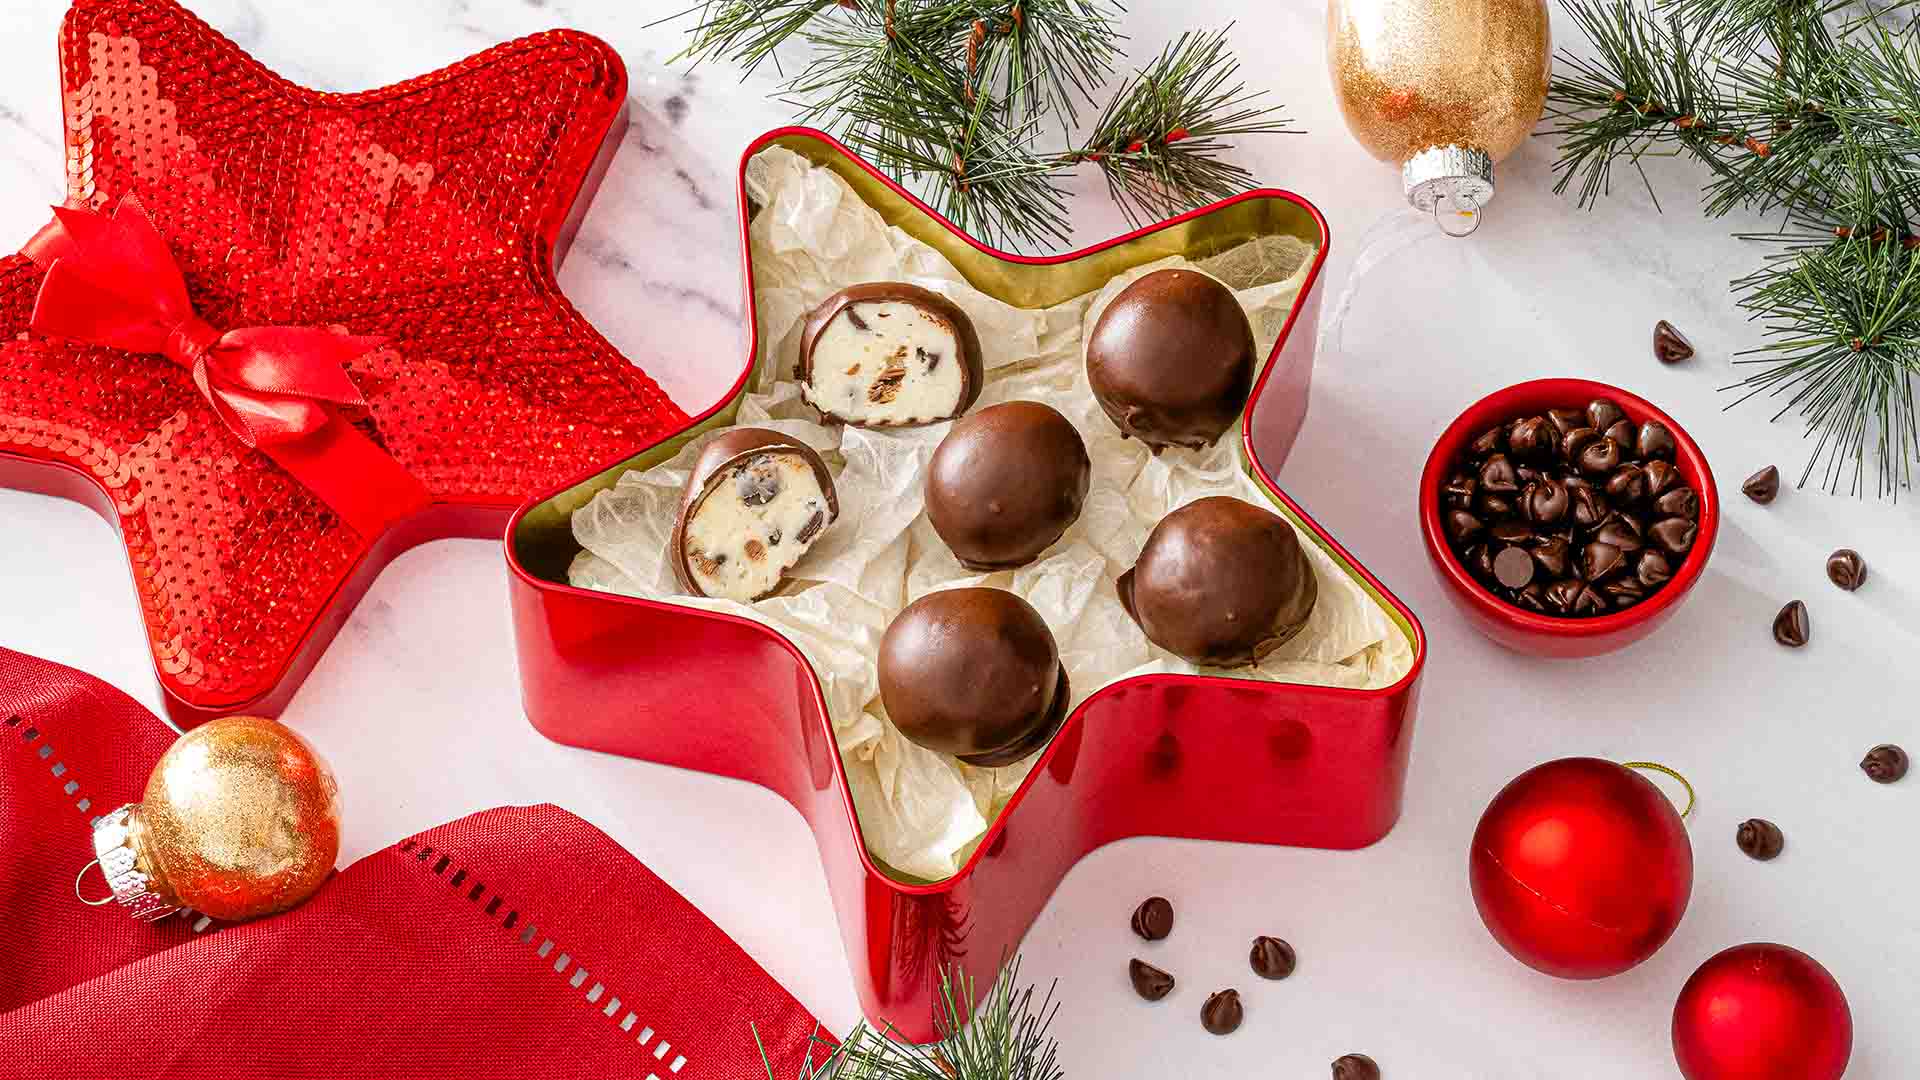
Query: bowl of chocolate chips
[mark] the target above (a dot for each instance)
(1567, 518)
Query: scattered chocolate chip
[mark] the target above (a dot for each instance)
(1355, 1067)
(1790, 627)
(1148, 981)
(1513, 567)
(1760, 838)
(1847, 569)
(1222, 1013)
(1271, 958)
(1762, 486)
(1670, 346)
(1153, 919)
(1655, 441)
(1603, 413)
(1884, 764)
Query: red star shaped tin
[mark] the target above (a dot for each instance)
(425, 218)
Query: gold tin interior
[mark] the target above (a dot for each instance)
(543, 541)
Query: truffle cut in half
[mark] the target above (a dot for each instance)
(889, 354)
(757, 500)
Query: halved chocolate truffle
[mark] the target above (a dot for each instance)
(1005, 483)
(1220, 582)
(1171, 360)
(755, 503)
(974, 673)
(889, 354)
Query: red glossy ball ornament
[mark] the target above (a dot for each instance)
(1762, 1012)
(1581, 868)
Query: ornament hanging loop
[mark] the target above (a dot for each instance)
(1450, 213)
(77, 878)
(1659, 768)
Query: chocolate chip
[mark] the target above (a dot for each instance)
(1222, 1013)
(1577, 440)
(1511, 531)
(1479, 559)
(1884, 764)
(1531, 436)
(1600, 457)
(1271, 958)
(1680, 502)
(1546, 501)
(1554, 555)
(1674, 534)
(928, 360)
(1653, 569)
(853, 316)
(1460, 490)
(1847, 569)
(812, 528)
(1355, 1067)
(1623, 591)
(1493, 506)
(1561, 594)
(1153, 919)
(1790, 627)
(1600, 560)
(1623, 532)
(1603, 413)
(1762, 486)
(1497, 476)
(1565, 420)
(758, 481)
(1513, 568)
(1661, 477)
(1621, 432)
(1533, 597)
(1588, 601)
(1670, 346)
(1760, 838)
(1462, 526)
(1655, 441)
(1589, 507)
(1148, 981)
(1490, 442)
(1627, 484)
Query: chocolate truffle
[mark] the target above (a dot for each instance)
(755, 503)
(973, 673)
(1005, 483)
(1171, 360)
(889, 354)
(1220, 582)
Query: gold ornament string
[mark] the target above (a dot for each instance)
(1659, 768)
(108, 899)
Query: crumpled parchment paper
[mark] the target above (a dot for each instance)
(922, 812)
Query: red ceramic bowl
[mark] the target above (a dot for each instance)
(1547, 635)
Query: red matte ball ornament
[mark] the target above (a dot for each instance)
(1581, 868)
(1762, 1012)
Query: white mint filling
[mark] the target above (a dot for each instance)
(886, 362)
(754, 522)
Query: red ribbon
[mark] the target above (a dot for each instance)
(111, 280)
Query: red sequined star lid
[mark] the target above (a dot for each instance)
(429, 213)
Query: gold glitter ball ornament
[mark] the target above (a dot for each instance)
(1441, 88)
(240, 818)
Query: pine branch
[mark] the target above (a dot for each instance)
(1793, 111)
(1004, 1037)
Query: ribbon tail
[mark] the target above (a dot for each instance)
(351, 474)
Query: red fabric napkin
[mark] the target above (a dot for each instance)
(515, 942)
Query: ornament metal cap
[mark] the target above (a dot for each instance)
(1449, 180)
(116, 844)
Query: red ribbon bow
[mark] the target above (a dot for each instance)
(113, 282)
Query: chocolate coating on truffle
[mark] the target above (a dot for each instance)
(749, 499)
(1220, 582)
(1171, 360)
(1005, 483)
(888, 372)
(974, 673)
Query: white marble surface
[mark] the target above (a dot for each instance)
(417, 706)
